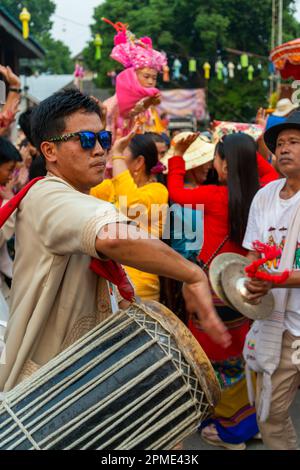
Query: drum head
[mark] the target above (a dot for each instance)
(233, 277)
(216, 267)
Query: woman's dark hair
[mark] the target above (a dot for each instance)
(161, 138)
(239, 151)
(8, 152)
(48, 118)
(143, 144)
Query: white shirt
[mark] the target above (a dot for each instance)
(268, 222)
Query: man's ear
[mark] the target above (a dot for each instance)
(49, 151)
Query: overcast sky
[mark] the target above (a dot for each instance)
(298, 10)
(74, 29)
(71, 22)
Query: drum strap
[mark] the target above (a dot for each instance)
(109, 270)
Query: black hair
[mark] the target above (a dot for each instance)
(37, 167)
(8, 152)
(239, 151)
(48, 118)
(156, 137)
(24, 123)
(143, 144)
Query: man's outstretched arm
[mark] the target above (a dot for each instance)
(130, 246)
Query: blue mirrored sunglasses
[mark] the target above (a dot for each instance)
(87, 139)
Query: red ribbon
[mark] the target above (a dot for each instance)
(270, 253)
(114, 273)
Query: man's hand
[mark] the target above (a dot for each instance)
(261, 117)
(257, 289)
(145, 103)
(11, 78)
(152, 101)
(121, 143)
(196, 295)
(183, 144)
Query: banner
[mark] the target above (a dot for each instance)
(182, 103)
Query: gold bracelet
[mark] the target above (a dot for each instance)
(118, 157)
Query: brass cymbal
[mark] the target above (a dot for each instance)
(215, 269)
(232, 278)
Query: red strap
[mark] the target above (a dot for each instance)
(114, 272)
(13, 203)
(109, 270)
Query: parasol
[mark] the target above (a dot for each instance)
(286, 59)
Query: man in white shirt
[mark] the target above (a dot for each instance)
(269, 219)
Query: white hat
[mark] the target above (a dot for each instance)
(201, 151)
(284, 107)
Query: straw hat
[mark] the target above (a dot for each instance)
(284, 107)
(199, 152)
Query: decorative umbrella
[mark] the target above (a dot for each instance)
(286, 59)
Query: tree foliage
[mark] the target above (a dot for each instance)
(40, 10)
(58, 57)
(201, 29)
(57, 54)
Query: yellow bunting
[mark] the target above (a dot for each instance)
(25, 18)
(206, 68)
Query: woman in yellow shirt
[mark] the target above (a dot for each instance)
(135, 191)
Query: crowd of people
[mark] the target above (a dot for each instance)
(95, 168)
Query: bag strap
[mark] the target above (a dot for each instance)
(206, 265)
(14, 202)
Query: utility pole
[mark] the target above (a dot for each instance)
(280, 15)
(276, 39)
(279, 40)
(273, 41)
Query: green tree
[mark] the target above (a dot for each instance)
(40, 10)
(58, 57)
(205, 30)
(57, 54)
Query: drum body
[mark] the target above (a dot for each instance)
(139, 380)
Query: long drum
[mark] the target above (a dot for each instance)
(139, 380)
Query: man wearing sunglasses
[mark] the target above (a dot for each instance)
(56, 297)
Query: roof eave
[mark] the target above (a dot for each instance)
(29, 44)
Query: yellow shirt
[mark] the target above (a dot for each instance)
(146, 205)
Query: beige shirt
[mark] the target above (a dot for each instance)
(6, 232)
(55, 297)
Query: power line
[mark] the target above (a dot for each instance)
(71, 21)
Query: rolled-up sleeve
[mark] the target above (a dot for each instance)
(68, 221)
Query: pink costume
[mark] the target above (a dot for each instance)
(128, 102)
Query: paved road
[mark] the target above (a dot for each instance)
(194, 442)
